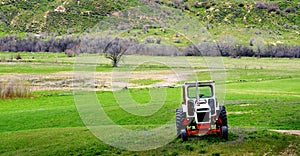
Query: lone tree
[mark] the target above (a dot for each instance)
(116, 48)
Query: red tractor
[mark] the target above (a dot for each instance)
(200, 112)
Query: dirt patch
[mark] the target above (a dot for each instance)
(99, 80)
(297, 132)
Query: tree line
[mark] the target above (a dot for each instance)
(74, 45)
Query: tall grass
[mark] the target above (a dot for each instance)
(13, 89)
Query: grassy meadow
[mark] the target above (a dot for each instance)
(261, 95)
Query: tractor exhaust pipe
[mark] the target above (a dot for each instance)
(197, 92)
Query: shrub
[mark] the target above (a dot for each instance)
(202, 151)
(123, 27)
(186, 7)
(18, 57)
(150, 39)
(174, 153)
(241, 5)
(69, 53)
(290, 10)
(261, 5)
(286, 26)
(177, 40)
(2, 59)
(158, 40)
(145, 28)
(271, 7)
(163, 30)
(251, 42)
(177, 2)
(186, 27)
(295, 27)
(157, 1)
(14, 89)
(170, 4)
(216, 154)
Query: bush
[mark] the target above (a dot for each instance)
(186, 7)
(146, 28)
(18, 57)
(14, 89)
(158, 40)
(2, 59)
(261, 5)
(69, 53)
(216, 154)
(170, 4)
(123, 27)
(251, 42)
(177, 40)
(150, 39)
(290, 10)
(271, 7)
(202, 151)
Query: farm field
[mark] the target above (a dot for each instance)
(262, 95)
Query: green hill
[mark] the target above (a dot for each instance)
(274, 21)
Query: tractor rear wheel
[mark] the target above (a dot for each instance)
(179, 121)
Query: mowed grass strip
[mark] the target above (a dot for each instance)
(54, 110)
(52, 141)
(79, 141)
(282, 89)
(43, 111)
(272, 104)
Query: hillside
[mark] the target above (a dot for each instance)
(275, 21)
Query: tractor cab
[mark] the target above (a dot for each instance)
(200, 100)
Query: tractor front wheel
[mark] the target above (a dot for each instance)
(184, 135)
(223, 125)
(224, 132)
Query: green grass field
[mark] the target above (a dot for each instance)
(261, 95)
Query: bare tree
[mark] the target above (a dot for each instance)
(116, 48)
(259, 47)
(226, 45)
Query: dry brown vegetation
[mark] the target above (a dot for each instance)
(14, 89)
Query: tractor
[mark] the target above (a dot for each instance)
(200, 112)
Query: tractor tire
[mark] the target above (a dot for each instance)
(179, 121)
(223, 116)
(184, 135)
(224, 131)
(224, 126)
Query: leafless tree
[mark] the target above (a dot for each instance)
(116, 48)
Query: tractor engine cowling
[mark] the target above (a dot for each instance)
(202, 112)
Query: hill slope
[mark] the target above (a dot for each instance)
(274, 21)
